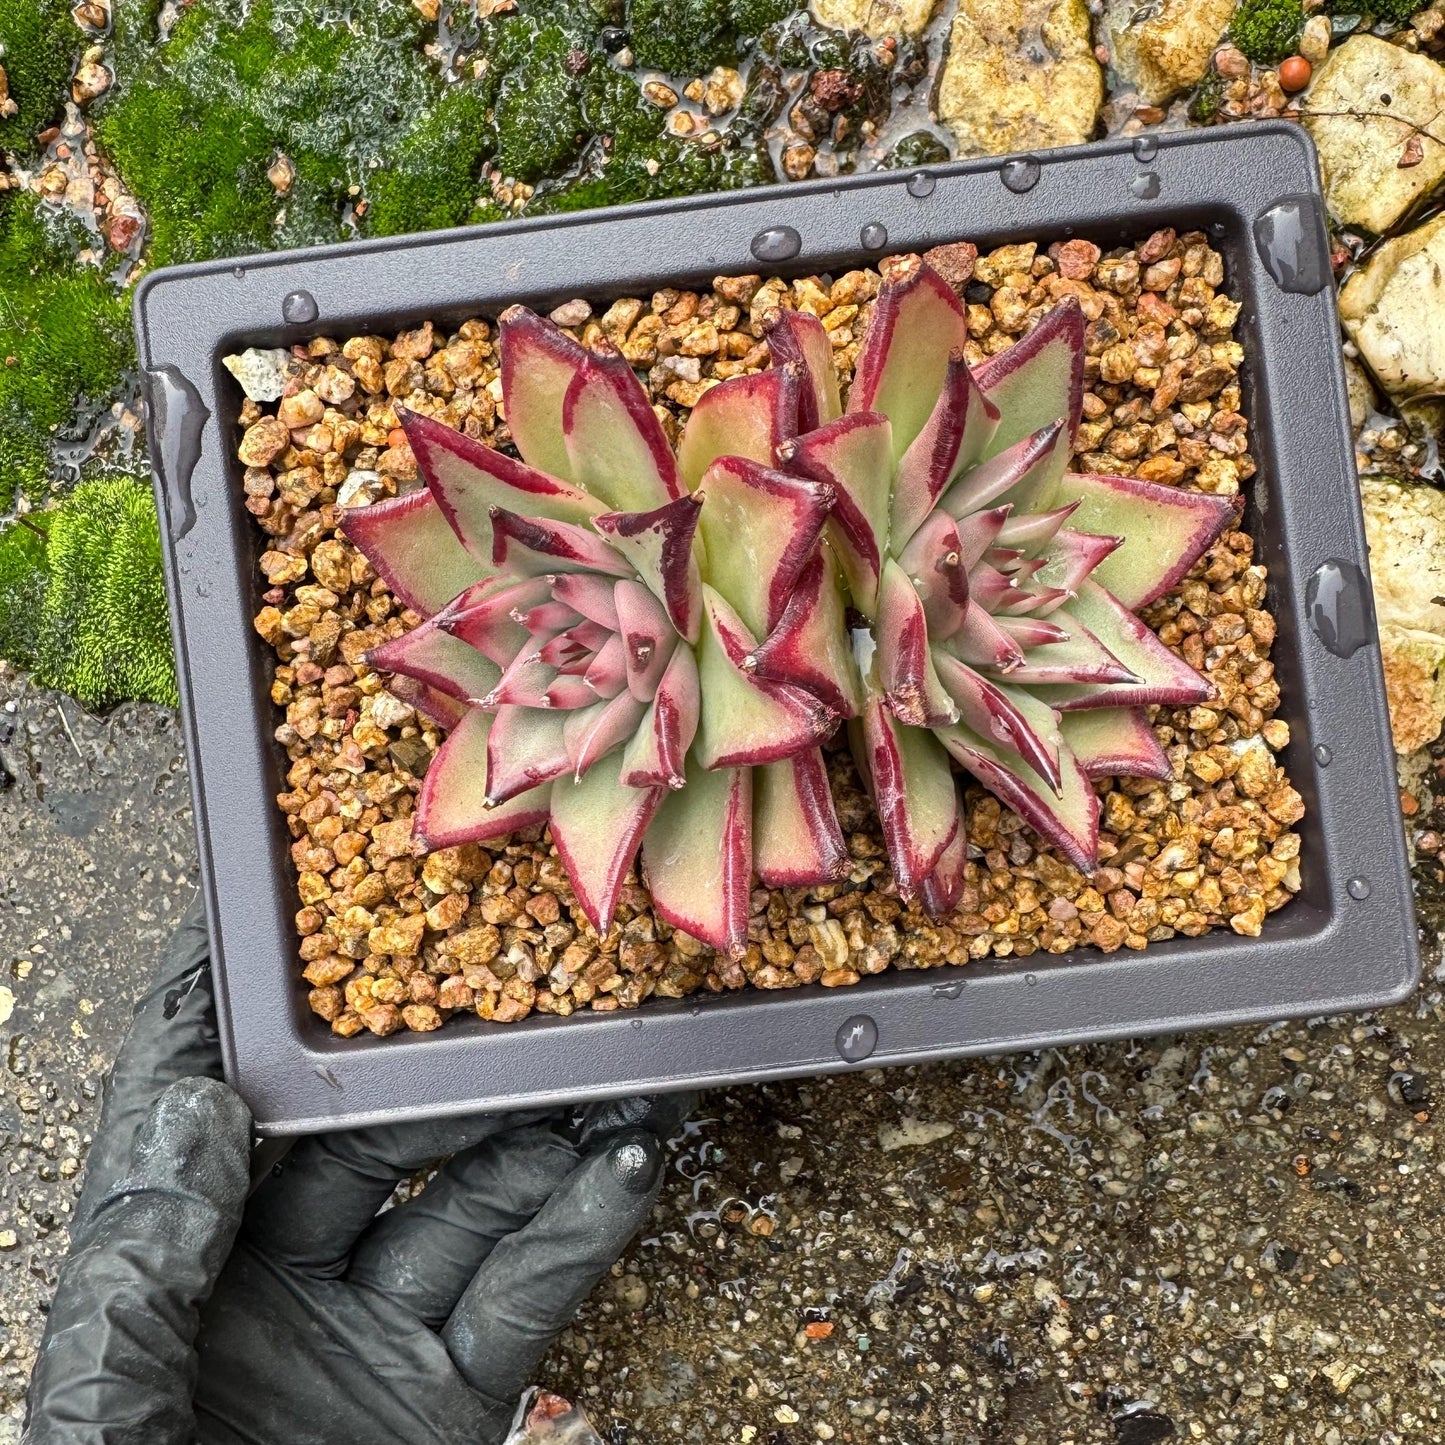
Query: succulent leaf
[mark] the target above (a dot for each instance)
(1116, 743)
(698, 857)
(469, 479)
(904, 662)
(918, 325)
(658, 547)
(445, 711)
(747, 720)
(538, 365)
(431, 655)
(798, 340)
(745, 416)
(798, 842)
(453, 807)
(941, 890)
(647, 637)
(854, 456)
(537, 547)
(1039, 379)
(1164, 530)
(486, 617)
(414, 550)
(597, 825)
(525, 747)
(760, 528)
(1025, 475)
(657, 754)
(615, 443)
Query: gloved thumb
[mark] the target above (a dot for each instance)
(117, 1364)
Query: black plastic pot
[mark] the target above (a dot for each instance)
(1348, 941)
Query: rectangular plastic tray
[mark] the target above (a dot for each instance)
(1348, 941)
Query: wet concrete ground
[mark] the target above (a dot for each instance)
(1229, 1237)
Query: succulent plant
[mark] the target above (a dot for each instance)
(591, 610)
(995, 591)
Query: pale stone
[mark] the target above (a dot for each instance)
(1361, 392)
(260, 370)
(1167, 53)
(1366, 100)
(1405, 529)
(1019, 75)
(1394, 311)
(911, 1133)
(875, 17)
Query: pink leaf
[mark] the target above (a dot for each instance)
(525, 747)
(615, 442)
(1039, 379)
(597, 825)
(905, 662)
(590, 595)
(658, 547)
(1009, 718)
(917, 326)
(414, 550)
(538, 365)
(590, 733)
(698, 858)
(798, 339)
(934, 560)
(656, 756)
(534, 546)
(940, 891)
(433, 656)
(745, 416)
(487, 618)
(606, 675)
(1025, 475)
(453, 807)
(797, 840)
(648, 637)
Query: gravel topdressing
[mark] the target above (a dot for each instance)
(389, 940)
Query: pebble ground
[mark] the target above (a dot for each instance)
(1229, 1237)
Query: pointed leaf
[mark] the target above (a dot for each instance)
(590, 595)
(597, 825)
(745, 416)
(940, 891)
(913, 791)
(1165, 531)
(746, 720)
(489, 618)
(453, 808)
(1039, 380)
(614, 439)
(952, 440)
(468, 479)
(1028, 532)
(1077, 657)
(591, 733)
(658, 547)
(535, 546)
(797, 339)
(917, 326)
(982, 642)
(525, 747)
(797, 842)
(759, 529)
(934, 560)
(524, 683)
(433, 656)
(698, 857)
(606, 674)
(853, 455)
(1164, 677)
(1025, 476)
(648, 637)
(445, 711)
(1070, 822)
(1008, 717)
(809, 647)
(657, 754)
(1072, 557)
(538, 365)
(1116, 743)
(904, 660)
(414, 550)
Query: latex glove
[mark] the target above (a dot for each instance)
(188, 1312)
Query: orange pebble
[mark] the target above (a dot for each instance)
(1294, 73)
(396, 437)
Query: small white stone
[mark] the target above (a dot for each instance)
(262, 373)
(911, 1133)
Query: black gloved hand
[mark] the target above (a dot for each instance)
(188, 1312)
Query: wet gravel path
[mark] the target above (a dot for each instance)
(1227, 1237)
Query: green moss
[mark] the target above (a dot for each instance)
(920, 148)
(69, 334)
(689, 37)
(1207, 98)
(103, 633)
(1267, 30)
(41, 44)
(1397, 12)
(23, 579)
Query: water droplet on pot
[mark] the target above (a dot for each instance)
(1323, 754)
(857, 1038)
(180, 417)
(1290, 239)
(1144, 187)
(873, 236)
(1031, 979)
(1338, 599)
(239, 272)
(1021, 174)
(300, 308)
(948, 990)
(328, 1075)
(1146, 147)
(1358, 888)
(777, 243)
(921, 184)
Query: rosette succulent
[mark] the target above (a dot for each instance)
(590, 615)
(994, 591)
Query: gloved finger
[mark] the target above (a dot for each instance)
(117, 1362)
(531, 1285)
(424, 1253)
(312, 1208)
(173, 1037)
